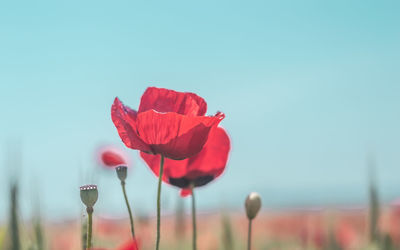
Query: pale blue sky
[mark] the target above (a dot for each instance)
(309, 88)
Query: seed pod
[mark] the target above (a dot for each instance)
(122, 172)
(89, 195)
(253, 205)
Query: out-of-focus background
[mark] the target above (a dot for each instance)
(310, 89)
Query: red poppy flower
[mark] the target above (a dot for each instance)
(111, 156)
(129, 245)
(197, 170)
(168, 123)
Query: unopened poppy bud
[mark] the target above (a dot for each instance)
(253, 205)
(122, 172)
(89, 195)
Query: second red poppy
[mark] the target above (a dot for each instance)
(198, 170)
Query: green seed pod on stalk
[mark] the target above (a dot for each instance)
(122, 172)
(253, 205)
(89, 195)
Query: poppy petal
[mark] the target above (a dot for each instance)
(165, 100)
(173, 135)
(124, 119)
(210, 162)
(153, 161)
(112, 159)
(185, 192)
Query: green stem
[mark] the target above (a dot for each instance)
(194, 219)
(249, 236)
(89, 236)
(129, 209)
(160, 174)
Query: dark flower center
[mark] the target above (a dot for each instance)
(184, 182)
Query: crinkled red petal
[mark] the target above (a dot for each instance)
(173, 135)
(210, 161)
(165, 100)
(124, 119)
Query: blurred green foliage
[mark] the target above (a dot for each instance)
(14, 223)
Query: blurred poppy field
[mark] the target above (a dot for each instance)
(212, 125)
(335, 228)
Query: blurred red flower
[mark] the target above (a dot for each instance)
(168, 123)
(346, 235)
(199, 169)
(395, 205)
(111, 156)
(129, 245)
(394, 221)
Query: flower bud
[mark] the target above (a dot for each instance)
(122, 172)
(253, 205)
(89, 195)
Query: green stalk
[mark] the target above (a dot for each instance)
(84, 235)
(249, 237)
(89, 235)
(129, 209)
(14, 224)
(194, 219)
(39, 234)
(160, 174)
(227, 234)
